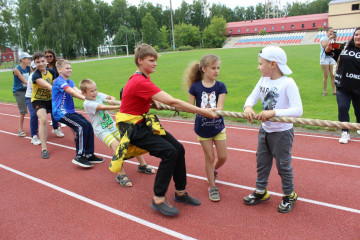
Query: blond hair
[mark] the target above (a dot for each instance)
(62, 62)
(143, 50)
(194, 72)
(84, 84)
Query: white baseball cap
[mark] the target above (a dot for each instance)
(24, 55)
(278, 55)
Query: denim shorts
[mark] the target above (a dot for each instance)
(327, 60)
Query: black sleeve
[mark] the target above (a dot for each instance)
(36, 76)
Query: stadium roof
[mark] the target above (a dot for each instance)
(341, 1)
(292, 19)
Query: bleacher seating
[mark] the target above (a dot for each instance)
(283, 39)
(343, 35)
(303, 38)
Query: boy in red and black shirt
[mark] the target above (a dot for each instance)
(142, 130)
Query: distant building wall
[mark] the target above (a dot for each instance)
(7, 54)
(278, 25)
(344, 14)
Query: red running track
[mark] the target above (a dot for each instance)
(55, 199)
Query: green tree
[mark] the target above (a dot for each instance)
(133, 18)
(295, 9)
(103, 10)
(198, 14)
(90, 33)
(117, 16)
(183, 13)
(220, 10)
(164, 37)
(318, 6)
(8, 34)
(259, 11)
(30, 18)
(239, 13)
(58, 27)
(250, 13)
(187, 34)
(150, 30)
(214, 34)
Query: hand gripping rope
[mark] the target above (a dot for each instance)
(302, 121)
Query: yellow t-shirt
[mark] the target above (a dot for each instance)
(40, 93)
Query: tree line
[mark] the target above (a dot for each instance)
(78, 27)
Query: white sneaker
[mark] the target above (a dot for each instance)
(345, 137)
(63, 125)
(35, 140)
(58, 132)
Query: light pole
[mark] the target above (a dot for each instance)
(172, 26)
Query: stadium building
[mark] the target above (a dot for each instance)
(278, 25)
(6, 54)
(344, 13)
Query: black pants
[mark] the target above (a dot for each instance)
(171, 153)
(84, 132)
(344, 98)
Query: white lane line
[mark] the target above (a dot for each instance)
(249, 151)
(294, 157)
(347, 209)
(100, 205)
(223, 182)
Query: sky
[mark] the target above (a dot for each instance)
(229, 3)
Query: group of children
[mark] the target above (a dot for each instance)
(137, 132)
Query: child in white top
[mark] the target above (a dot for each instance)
(34, 125)
(280, 97)
(104, 126)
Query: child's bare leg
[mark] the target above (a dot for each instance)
(221, 149)
(114, 146)
(143, 163)
(41, 113)
(208, 149)
(21, 122)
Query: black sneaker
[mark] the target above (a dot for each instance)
(81, 161)
(95, 159)
(288, 202)
(44, 154)
(255, 197)
(165, 208)
(186, 198)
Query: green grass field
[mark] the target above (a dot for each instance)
(238, 71)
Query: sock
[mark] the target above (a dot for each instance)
(260, 191)
(290, 195)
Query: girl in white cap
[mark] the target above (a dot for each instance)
(280, 97)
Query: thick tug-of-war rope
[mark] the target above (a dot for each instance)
(302, 121)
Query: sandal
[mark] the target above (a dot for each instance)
(21, 133)
(145, 169)
(120, 179)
